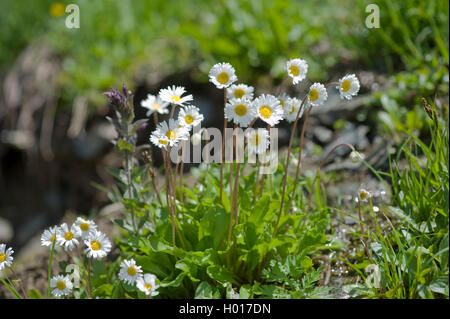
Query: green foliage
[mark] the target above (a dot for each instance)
(413, 257)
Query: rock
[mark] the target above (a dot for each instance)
(6, 231)
(323, 134)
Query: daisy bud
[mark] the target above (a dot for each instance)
(196, 138)
(363, 195)
(356, 157)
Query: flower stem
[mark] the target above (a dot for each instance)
(326, 158)
(302, 139)
(223, 144)
(291, 139)
(49, 272)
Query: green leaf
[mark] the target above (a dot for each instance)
(34, 294)
(205, 291)
(125, 146)
(220, 274)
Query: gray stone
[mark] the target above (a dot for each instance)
(6, 231)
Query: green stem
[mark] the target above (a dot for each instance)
(50, 268)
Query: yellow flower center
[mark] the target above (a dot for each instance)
(61, 285)
(282, 103)
(57, 9)
(148, 287)
(313, 95)
(171, 135)
(2, 257)
(84, 226)
(156, 106)
(95, 245)
(255, 139)
(240, 109)
(363, 194)
(238, 93)
(131, 271)
(53, 238)
(68, 235)
(223, 77)
(189, 119)
(176, 98)
(163, 142)
(293, 109)
(265, 111)
(294, 70)
(345, 86)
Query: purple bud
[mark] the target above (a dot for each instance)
(114, 96)
(143, 126)
(125, 90)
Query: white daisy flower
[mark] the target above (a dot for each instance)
(268, 109)
(240, 91)
(257, 140)
(173, 133)
(147, 284)
(6, 258)
(317, 94)
(190, 116)
(49, 236)
(222, 75)
(98, 245)
(86, 227)
(160, 141)
(174, 94)
(292, 108)
(240, 111)
(129, 272)
(348, 86)
(155, 104)
(62, 286)
(283, 98)
(68, 237)
(297, 69)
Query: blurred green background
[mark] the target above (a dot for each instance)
(134, 41)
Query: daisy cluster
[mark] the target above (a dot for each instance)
(170, 133)
(131, 274)
(242, 106)
(83, 231)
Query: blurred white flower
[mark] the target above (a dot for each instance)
(68, 237)
(348, 86)
(6, 258)
(174, 94)
(155, 104)
(291, 109)
(240, 91)
(268, 109)
(98, 245)
(190, 116)
(129, 272)
(49, 236)
(222, 75)
(317, 94)
(62, 286)
(257, 140)
(297, 69)
(240, 111)
(147, 284)
(86, 226)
